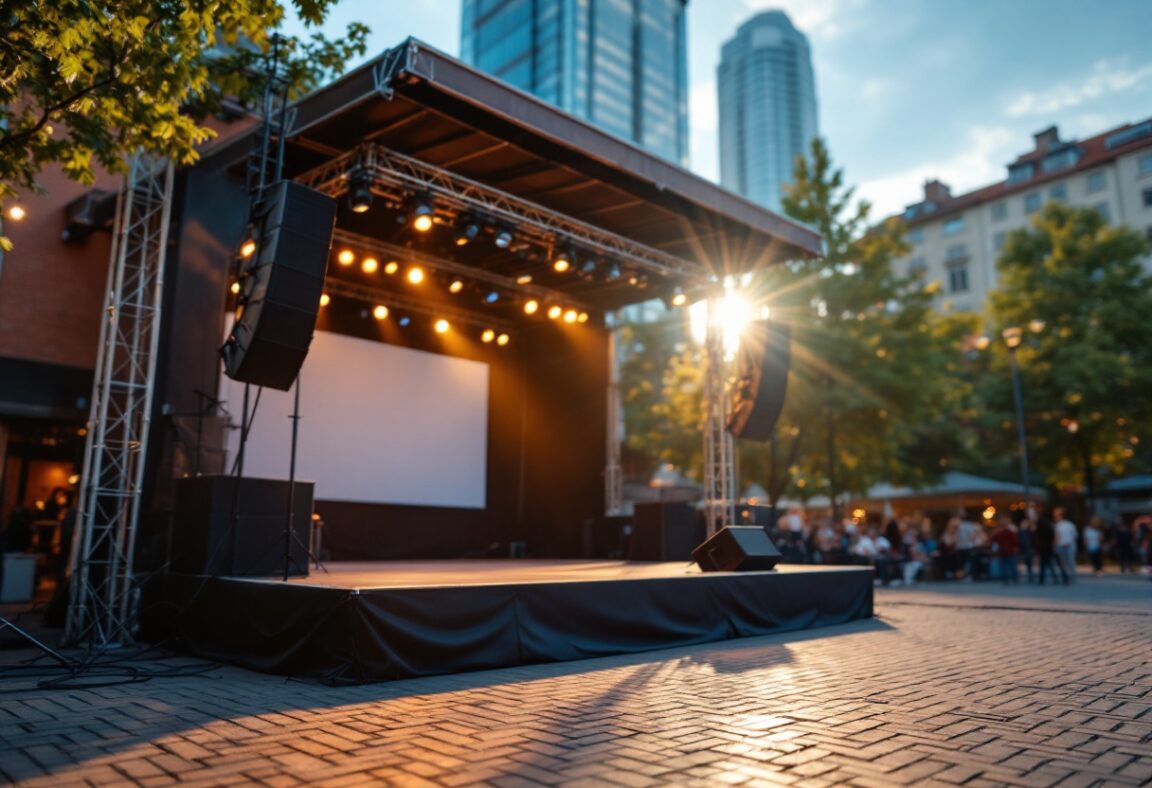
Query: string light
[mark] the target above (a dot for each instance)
(555, 312)
(248, 248)
(570, 316)
(582, 317)
(456, 286)
(524, 279)
(235, 288)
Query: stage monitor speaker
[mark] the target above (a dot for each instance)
(737, 548)
(761, 380)
(280, 286)
(206, 541)
(664, 531)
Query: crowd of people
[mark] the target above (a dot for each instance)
(1038, 547)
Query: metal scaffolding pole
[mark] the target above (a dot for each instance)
(613, 472)
(102, 610)
(719, 476)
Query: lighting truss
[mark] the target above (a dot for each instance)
(387, 250)
(394, 300)
(102, 610)
(396, 173)
(719, 465)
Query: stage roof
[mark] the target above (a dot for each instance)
(421, 103)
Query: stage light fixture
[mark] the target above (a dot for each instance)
(502, 340)
(325, 299)
(415, 274)
(492, 297)
(421, 214)
(588, 268)
(392, 267)
(488, 335)
(562, 263)
(456, 286)
(503, 238)
(613, 273)
(531, 306)
(554, 312)
(17, 213)
(570, 316)
(467, 229)
(442, 326)
(369, 265)
(582, 317)
(360, 191)
(235, 288)
(247, 248)
(524, 279)
(404, 321)
(346, 257)
(380, 312)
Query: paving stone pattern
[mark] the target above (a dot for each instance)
(931, 692)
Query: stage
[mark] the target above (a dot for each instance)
(390, 620)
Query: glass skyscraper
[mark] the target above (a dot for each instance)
(767, 107)
(619, 64)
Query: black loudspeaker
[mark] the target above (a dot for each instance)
(738, 548)
(664, 532)
(205, 541)
(761, 380)
(280, 286)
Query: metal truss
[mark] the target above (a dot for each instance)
(102, 610)
(613, 468)
(394, 300)
(719, 467)
(396, 173)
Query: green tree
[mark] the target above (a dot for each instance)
(84, 84)
(1086, 376)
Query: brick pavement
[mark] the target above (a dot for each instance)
(949, 685)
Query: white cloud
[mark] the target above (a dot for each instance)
(980, 162)
(1106, 77)
(816, 18)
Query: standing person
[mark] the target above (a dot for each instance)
(1006, 543)
(1122, 538)
(965, 547)
(1066, 536)
(1044, 542)
(1093, 544)
(1026, 535)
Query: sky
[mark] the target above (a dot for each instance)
(907, 89)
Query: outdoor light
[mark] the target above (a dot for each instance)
(392, 267)
(404, 321)
(502, 340)
(678, 297)
(456, 286)
(235, 287)
(613, 272)
(247, 248)
(488, 335)
(570, 316)
(982, 342)
(380, 312)
(561, 263)
(492, 297)
(503, 238)
(531, 306)
(415, 274)
(346, 257)
(325, 299)
(442, 326)
(524, 279)
(369, 265)
(1012, 336)
(16, 213)
(1036, 325)
(555, 311)
(422, 215)
(466, 231)
(360, 191)
(582, 317)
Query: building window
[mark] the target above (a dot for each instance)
(1147, 193)
(916, 235)
(998, 241)
(1020, 173)
(954, 226)
(1096, 181)
(1060, 161)
(956, 252)
(1102, 209)
(1058, 192)
(1145, 163)
(999, 211)
(1148, 232)
(958, 279)
(1032, 202)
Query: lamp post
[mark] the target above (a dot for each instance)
(1013, 336)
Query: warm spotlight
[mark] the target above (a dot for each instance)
(582, 317)
(555, 312)
(360, 191)
(570, 316)
(235, 288)
(369, 265)
(380, 312)
(415, 274)
(531, 306)
(488, 335)
(456, 286)
(524, 279)
(502, 340)
(392, 267)
(422, 215)
(247, 248)
(325, 299)
(346, 257)
(561, 263)
(503, 238)
(679, 298)
(442, 326)
(16, 213)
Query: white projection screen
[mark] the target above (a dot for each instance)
(379, 424)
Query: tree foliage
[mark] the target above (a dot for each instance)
(83, 83)
(1087, 375)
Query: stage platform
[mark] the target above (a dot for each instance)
(389, 620)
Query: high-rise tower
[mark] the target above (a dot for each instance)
(767, 107)
(620, 64)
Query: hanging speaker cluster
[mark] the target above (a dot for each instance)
(761, 380)
(281, 282)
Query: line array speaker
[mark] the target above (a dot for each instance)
(280, 286)
(761, 380)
